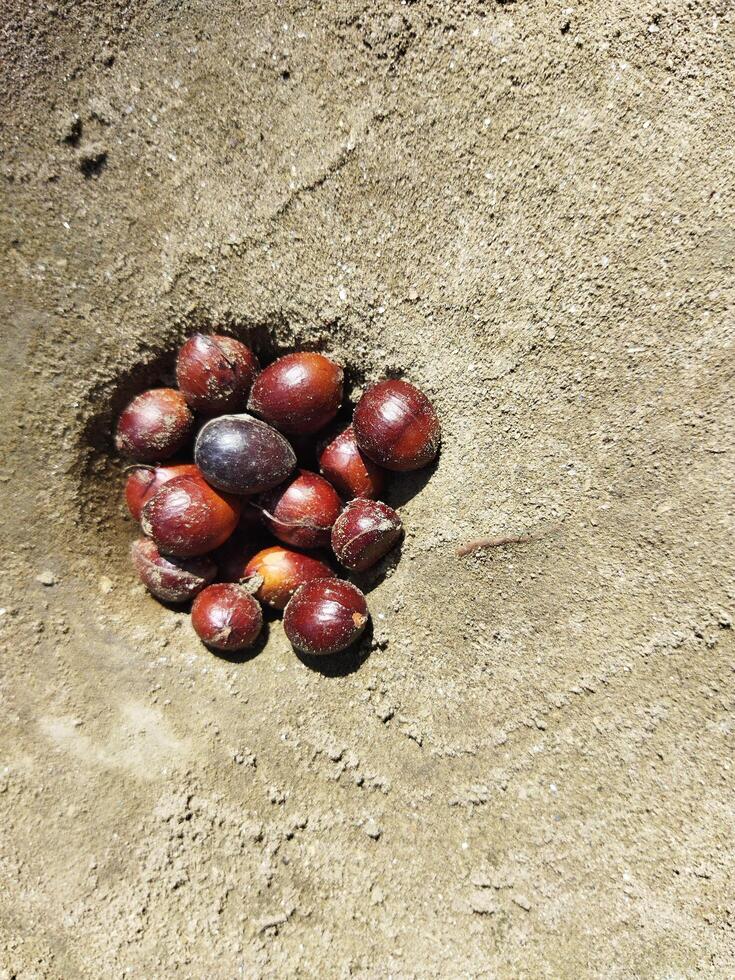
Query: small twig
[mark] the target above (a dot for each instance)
(479, 543)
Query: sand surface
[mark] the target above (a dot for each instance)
(527, 209)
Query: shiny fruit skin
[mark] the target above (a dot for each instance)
(364, 532)
(298, 393)
(170, 579)
(242, 454)
(186, 517)
(281, 572)
(143, 481)
(154, 425)
(349, 470)
(226, 617)
(397, 426)
(301, 511)
(215, 373)
(325, 616)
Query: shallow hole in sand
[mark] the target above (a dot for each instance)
(102, 511)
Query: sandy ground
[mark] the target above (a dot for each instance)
(528, 209)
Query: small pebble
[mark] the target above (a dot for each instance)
(46, 578)
(385, 712)
(377, 895)
(372, 829)
(70, 128)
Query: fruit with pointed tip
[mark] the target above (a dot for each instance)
(241, 454)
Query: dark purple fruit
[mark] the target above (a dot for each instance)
(241, 454)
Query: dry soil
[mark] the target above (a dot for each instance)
(528, 209)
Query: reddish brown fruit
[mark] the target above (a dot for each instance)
(350, 471)
(241, 454)
(397, 426)
(155, 425)
(298, 393)
(170, 579)
(143, 481)
(325, 616)
(364, 532)
(186, 517)
(215, 373)
(226, 617)
(301, 511)
(278, 572)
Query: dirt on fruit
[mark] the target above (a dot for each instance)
(524, 769)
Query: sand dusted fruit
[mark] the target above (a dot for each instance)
(276, 573)
(325, 616)
(348, 469)
(241, 454)
(215, 373)
(397, 426)
(170, 579)
(155, 425)
(364, 532)
(298, 393)
(144, 480)
(226, 617)
(302, 510)
(186, 517)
